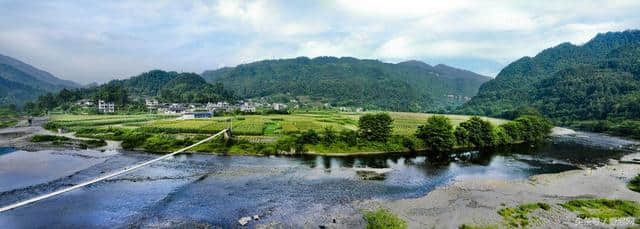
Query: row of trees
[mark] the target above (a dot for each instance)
(439, 135)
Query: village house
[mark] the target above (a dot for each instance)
(85, 103)
(247, 107)
(151, 103)
(196, 115)
(175, 108)
(106, 107)
(279, 106)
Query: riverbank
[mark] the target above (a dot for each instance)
(19, 137)
(477, 201)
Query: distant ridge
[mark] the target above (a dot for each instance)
(22, 82)
(347, 81)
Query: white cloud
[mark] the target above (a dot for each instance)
(97, 41)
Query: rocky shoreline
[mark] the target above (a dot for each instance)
(476, 201)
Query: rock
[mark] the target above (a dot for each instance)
(372, 173)
(322, 226)
(256, 217)
(244, 220)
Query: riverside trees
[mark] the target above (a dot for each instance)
(438, 135)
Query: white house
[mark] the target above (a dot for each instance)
(246, 107)
(279, 106)
(106, 107)
(151, 103)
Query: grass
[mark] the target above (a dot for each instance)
(604, 209)
(519, 216)
(62, 140)
(8, 123)
(383, 219)
(634, 184)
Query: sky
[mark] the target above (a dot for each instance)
(96, 41)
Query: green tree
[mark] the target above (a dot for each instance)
(375, 127)
(329, 136)
(534, 128)
(462, 136)
(437, 134)
(479, 132)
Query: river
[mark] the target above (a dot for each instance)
(202, 190)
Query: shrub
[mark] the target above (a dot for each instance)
(329, 136)
(634, 184)
(437, 134)
(308, 137)
(48, 138)
(383, 219)
(375, 127)
(350, 137)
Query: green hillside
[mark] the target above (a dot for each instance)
(20, 82)
(595, 81)
(407, 86)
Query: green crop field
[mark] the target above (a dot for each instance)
(252, 125)
(130, 121)
(274, 125)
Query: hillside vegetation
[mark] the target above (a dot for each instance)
(570, 84)
(406, 86)
(20, 82)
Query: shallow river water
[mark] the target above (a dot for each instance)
(194, 190)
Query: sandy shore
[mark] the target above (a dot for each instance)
(477, 201)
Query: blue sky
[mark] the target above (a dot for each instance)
(89, 41)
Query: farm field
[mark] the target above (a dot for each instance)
(251, 125)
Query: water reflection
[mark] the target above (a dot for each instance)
(218, 190)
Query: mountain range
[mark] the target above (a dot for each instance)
(347, 81)
(595, 81)
(20, 82)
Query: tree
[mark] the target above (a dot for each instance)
(329, 136)
(375, 127)
(437, 134)
(478, 132)
(534, 128)
(462, 136)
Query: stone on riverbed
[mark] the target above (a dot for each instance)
(244, 220)
(372, 173)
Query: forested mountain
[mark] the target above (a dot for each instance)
(128, 94)
(406, 86)
(172, 87)
(22, 82)
(595, 81)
